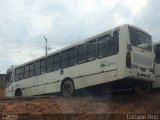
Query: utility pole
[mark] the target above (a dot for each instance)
(46, 46)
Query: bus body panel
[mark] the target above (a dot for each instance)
(101, 71)
(95, 72)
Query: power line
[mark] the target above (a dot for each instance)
(2, 57)
(7, 52)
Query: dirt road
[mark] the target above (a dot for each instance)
(81, 108)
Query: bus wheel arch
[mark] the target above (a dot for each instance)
(67, 87)
(18, 92)
(143, 87)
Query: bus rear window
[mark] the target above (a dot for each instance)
(140, 39)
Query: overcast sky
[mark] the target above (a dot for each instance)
(23, 23)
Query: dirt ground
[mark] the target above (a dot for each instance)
(114, 107)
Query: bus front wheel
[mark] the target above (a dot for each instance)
(67, 88)
(18, 93)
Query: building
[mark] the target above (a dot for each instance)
(3, 78)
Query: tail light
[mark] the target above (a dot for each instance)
(128, 60)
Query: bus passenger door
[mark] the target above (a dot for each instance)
(9, 85)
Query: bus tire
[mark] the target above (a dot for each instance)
(143, 88)
(18, 93)
(67, 88)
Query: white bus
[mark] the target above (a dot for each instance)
(121, 55)
(156, 83)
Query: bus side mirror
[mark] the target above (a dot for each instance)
(7, 78)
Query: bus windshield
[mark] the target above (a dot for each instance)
(9, 78)
(140, 39)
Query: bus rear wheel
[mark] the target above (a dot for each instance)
(67, 88)
(144, 87)
(18, 93)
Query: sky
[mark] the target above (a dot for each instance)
(24, 23)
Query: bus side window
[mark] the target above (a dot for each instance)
(37, 68)
(64, 59)
(91, 50)
(56, 62)
(102, 45)
(26, 71)
(31, 70)
(158, 54)
(53, 62)
(17, 74)
(68, 58)
(72, 57)
(82, 53)
(113, 42)
(50, 64)
(43, 66)
(86, 52)
(21, 73)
